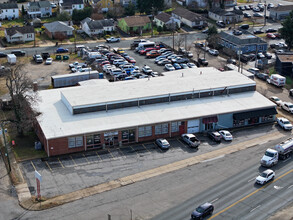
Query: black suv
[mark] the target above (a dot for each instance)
(215, 136)
(45, 55)
(18, 53)
(202, 211)
(203, 61)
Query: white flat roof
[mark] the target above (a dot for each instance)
(56, 121)
(172, 82)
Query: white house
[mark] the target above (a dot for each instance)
(95, 27)
(228, 17)
(70, 5)
(39, 9)
(19, 34)
(9, 11)
(280, 12)
(165, 19)
(188, 18)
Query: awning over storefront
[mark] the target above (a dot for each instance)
(213, 119)
(257, 113)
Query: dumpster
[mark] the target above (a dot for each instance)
(101, 76)
(58, 57)
(65, 57)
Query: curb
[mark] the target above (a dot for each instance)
(124, 181)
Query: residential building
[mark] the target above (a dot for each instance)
(280, 12)
(39, 9)
(284, 63)
(246, 42)
(19, 34)
(57, 29)
(9, 11)
(218, 14)
(227, 3)
(96, 27)
(164, 19)
(134, 24)
(103, 115)
(189, 18)
(70, 5)
(125, 3)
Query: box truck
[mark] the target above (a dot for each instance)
(277, 80)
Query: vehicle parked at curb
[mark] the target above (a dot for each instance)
(287, 106)
(284, 123)
(215, 136)
(213, 52)
(18, 53)
(163, 143)
(3, 54)
(202, 211)
(265, 177)
(191, 140)
(113, 39)
(221, 24)
(277, 80)
(276, 100)
(61, 50)
(226, 135)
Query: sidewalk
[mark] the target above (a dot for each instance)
(114, 184)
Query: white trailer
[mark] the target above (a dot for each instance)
(277, 80)
(11, 58)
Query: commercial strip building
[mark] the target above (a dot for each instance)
(100, 114)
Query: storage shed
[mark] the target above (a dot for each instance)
(11, 58)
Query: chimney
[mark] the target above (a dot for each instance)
(35, 86)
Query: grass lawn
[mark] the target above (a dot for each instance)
(24, 147)
(6, 24)
(244, 1)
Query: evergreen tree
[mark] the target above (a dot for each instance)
(287, 30)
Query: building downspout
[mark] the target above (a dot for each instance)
(48, 148)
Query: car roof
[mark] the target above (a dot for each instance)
(268, 171)
(206, 205)
(189, 135)
(284, 119)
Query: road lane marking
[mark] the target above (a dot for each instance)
(255, 208)
(99, 156)
(251, 179)
(249, 195)
(33, 165)
(86, 158)
(73, 160)
(284, 161)
(48, 166)
(290, 186)
(215, 158)
(60, 162)
(214, 200)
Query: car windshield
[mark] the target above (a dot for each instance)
(164, 142)
(276, 99)
(200, 209)
(286, 122)
(269, 154)
(263, 175)
(290, 106)
(193, 139)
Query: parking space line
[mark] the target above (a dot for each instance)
(134, 150)
(73, 160)
(86, 158)
(48, 166)
(122, 152)
(145, 148)
(60, 163)
(181, 143)
(99, 156)
(33, 165)
(111, 154)
(158, 147)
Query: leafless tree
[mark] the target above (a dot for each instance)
(61, 36)
(22, 97)
(179, 40)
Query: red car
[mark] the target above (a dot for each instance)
(130, 59)
(153, 53)
(143, 52)
(104, 63)
(271, 36)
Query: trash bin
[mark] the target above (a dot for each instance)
(58, 57)
(101, 76)
(65, 57)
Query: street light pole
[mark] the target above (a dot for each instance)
(5, 145)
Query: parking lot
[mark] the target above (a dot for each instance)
(72, 172)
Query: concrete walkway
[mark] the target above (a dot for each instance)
(73, 196)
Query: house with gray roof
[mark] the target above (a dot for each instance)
(189, 18)
(96, 27)
(9, 11)
(70, 5)
(19, 34)
(229, 17)
(280, 12)
(246, 42)
(39, 9)
(57, 28)
(164, 19)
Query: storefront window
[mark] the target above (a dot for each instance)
(128, 136)
(267, 118)
(253, 120)
(93, 141)
(145, 131)
(161, 129)
(75, 142)
(175, 126)
(238, 123)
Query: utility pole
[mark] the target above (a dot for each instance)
(5, 145)
(173, 28)
(265, 13)
(239, 54)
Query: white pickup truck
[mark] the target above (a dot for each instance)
(76, 64)
(280, 151)
(113, 39)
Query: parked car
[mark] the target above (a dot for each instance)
(163, 144)
(260, 56)
(113, 39)
(247, 7)
(37, 58)
(284, 123)
(188, 54)
(164, 62)
(3, 54)
(18, 53)
(271, 30)
(184, 66)
(179, 60)
(213, 52)
(253, 70)
(202, 211)
(45, 55)
(226, 135)
(231, 61)
(270, 5)
(259, 31)
(268, 55)
(256, 14)
(237, 32)
(146, 69)
(203, 61)
(271, 36)
(169, 67)
(191, 140)
(262, 76)
(265, 177)
(276, 100)
(246, 15)
(256, 9)
(177, 66)
(153, 54)
(191, 65)
(287, 106)
(215, 136)
(49, 61)
(61, 50)
(244, 26)
(221, 24)
(291, 92)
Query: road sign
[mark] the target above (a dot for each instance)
(39, 180)
(38, 176)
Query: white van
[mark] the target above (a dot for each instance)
(144, 45)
